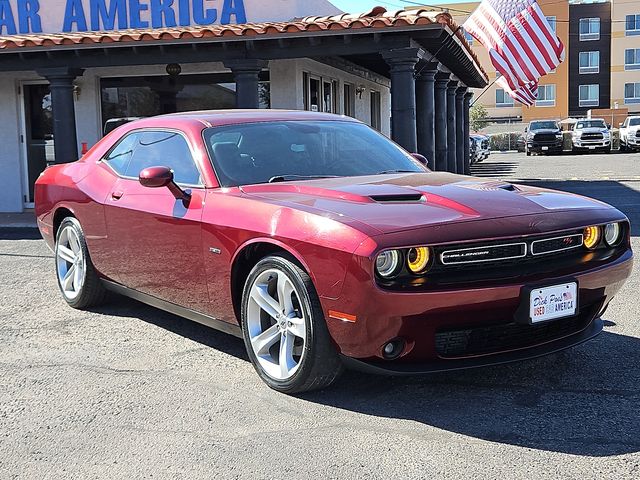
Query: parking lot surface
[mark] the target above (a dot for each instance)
(127, 391)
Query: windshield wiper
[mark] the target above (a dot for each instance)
(387, 172)
(289, 178)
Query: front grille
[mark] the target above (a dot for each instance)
(507, 337)
(557, 244)
(544, 137)
(592, 136)
(485, 144)
(483, 254)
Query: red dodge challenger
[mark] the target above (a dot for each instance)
(324, 245)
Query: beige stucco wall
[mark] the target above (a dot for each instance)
(619, 43)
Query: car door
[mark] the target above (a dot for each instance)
(155, 239)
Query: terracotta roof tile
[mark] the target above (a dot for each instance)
(379, 17)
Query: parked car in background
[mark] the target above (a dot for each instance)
(543, 136)
(630, 134)
(113, 123)
(591, 135)
(323, 244)
(481, 150)
(521, 143)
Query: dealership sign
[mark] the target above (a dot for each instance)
(55, 16)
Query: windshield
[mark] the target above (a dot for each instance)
(246, 154)
(634, 122)
(591, 124)
(544, 125)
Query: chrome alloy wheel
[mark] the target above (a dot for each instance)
(70, 263)
(276, 324)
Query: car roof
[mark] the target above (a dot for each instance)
(213, 118)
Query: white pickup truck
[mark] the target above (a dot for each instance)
(630, 134)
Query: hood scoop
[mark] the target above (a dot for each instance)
(399, 198)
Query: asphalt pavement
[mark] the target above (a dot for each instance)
(127, 391)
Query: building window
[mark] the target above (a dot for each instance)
(349, 97)
(632, 93)
(589, 95)
(546, 96)
(589, 29)
(552, 23)
(503, 99)
(589, 62)
(320, 94)
(632, 59)
(376, 110)
(633, 25)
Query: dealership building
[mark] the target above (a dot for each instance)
(70, 69)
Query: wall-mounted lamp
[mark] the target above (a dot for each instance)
(174, 69)
(76, 91)
(360, 89)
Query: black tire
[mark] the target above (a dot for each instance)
(92, 293)
(320, 364)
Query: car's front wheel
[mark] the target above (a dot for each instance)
(78, 281)
(284, 329)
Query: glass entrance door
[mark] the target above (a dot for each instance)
(38, 134)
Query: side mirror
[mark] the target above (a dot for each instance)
(622, 125)
(157, 177)
(421, 158)
(609, 126)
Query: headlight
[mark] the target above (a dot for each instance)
(591, 237)
(418, 259)
(612, 234)
(388, 263)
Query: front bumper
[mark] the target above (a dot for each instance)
(539, 147)
(633, 141)
(591, 144)
(402, 368)
(419, 318)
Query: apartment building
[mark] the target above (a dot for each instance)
(589, 57)
(602, 69)
(625, 55)
(552, 103)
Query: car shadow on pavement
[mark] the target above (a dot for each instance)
(120, 306)
(583, 401)
(625, 198)
(494, 169)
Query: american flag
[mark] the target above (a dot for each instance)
(526, 94)
(522, 45)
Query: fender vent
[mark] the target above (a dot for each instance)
(405, 198)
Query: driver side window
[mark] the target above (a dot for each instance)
(168, 149)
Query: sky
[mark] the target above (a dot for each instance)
(357, 6)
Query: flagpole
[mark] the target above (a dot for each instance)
(483, 92)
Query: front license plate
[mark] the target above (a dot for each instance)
(592, 148)
(545, 148)
(554, 302)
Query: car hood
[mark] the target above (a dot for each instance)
(592, 130)
(393, 203)
(545, 130)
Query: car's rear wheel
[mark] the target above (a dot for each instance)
(77, 278)
(284, 329)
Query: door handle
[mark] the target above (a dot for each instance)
(117, 195)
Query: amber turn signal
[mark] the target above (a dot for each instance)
(592, 237)
(418, 259)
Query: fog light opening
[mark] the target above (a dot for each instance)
(393, 349)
